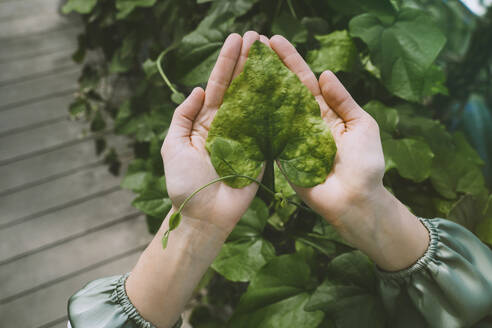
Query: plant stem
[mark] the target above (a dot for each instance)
(269, 190)
(159, 68)
(291, 7)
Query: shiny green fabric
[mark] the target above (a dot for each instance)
(103, 303)
(450, 286)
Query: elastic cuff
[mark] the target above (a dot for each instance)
(119, 296)
(422, 262)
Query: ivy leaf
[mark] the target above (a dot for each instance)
(125, 7)
(122, 60)
(381, 8)
(268, 114)
(277, 295)
(386, 117)
(348, 295)
(198, 50)
(469, 210)
(246, 250)
(484, 227)
(412, 158)
(434, 82)
(150, 68)
(80, 6)
(291, 28)
(337, 53)
(153, 200)
(137, 177)
(403, 50)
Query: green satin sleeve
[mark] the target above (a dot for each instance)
(449, 286)
(103, 303)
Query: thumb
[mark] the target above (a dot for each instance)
(185, 115)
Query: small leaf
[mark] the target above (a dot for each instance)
(177, 98)
(125, 7)
(174, 220)
(165, 239)
(78, 108)
(80, 6)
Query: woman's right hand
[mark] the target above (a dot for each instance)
(353, 197)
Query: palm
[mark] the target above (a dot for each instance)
(186, 161)
(359, 162)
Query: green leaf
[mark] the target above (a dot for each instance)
(484, 227)
(434, 82)
(98, 123)
(277, 295)
(412, 158)
(289, 27)
(386, 117)
(403, 51)
(198, 50)
(122, 60)
(349, 294)
(137, 177)
(125, 7)
(80, 6)
(150, 68)
(174, 220)
(381, 8)
(260, 121)
(246, 250)
(469, 210)
(153, 203)
(78, 107)
(177, 98)
(240, 260)
(337, 52)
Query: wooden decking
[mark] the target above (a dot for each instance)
(64, 220)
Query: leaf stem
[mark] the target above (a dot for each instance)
(291, 7)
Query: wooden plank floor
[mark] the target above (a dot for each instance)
(64, 220)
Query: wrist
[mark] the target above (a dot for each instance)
(383, 228)
(163, 280)
(194, 237)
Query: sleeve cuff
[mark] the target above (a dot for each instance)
(103, 303)
(422, 262)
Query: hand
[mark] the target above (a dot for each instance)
(353, 197)
(163, 280)
(187, 163)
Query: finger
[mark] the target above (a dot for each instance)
(248, 39)
(291, 58)
(222, 73)
(184, 116)
(338, 98)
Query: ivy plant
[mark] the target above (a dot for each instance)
(419, 67)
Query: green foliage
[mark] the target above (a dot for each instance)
(246, 250)
(268, 114)
(414, 64)
(403, 48)
(337, 53)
